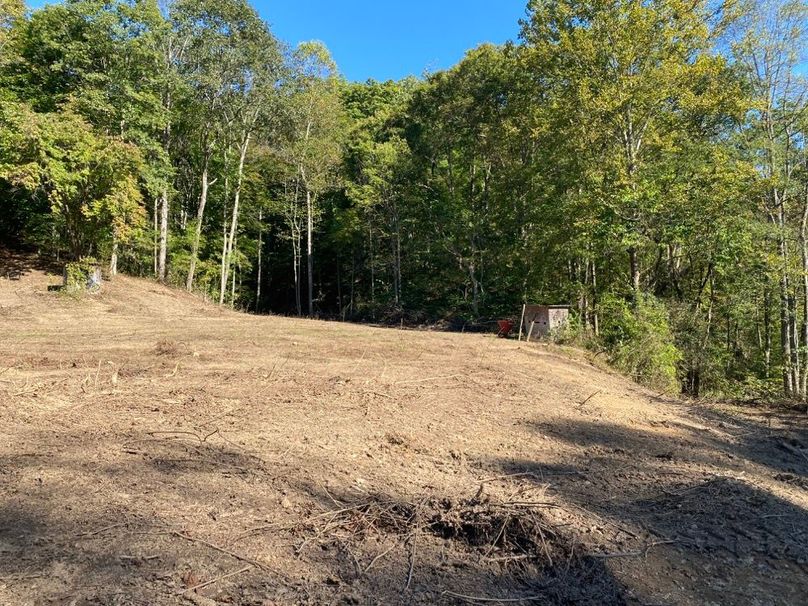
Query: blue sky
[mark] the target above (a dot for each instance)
(390, 39)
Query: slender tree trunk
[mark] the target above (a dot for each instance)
(767, 333)
(595, 318)
(233, 287)
(632, 148)
(164, 201)
(200, 213)
(583, 298)
(803, 387)
(339, 288)
(353, 282)
(475, 290)
(394, 254)
(163, 251)
(155, 237)
(309, 250)
(113, 261)
(399, 287)
(785, 320)
(296, 268)
(228, 258)
(394, 268)
(223, 262)
(372, 268)
(260, 257)
(694, 374)
(634, 265)
(795, 345)
(788, 342)
(395, 249)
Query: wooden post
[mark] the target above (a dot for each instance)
(522, 320)
(530, 332)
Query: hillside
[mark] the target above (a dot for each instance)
(151, 443)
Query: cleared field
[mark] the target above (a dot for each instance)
(155, 449)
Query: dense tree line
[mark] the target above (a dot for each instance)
(642, 160)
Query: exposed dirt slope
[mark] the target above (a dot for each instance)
(150, 443)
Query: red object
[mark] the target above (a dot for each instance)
(505, 328)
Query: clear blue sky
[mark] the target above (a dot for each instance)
(390, 39)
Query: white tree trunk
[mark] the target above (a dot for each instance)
(310, 250)
(228, 256)
(113, 261)
(163, 248)
(260, 258)
(200, 213)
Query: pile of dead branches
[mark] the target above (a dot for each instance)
(496, 532)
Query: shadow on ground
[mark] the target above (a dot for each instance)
(327, 548)
(15, 264)
(775, 439)
(666, 497)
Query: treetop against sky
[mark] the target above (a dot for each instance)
(391, 40)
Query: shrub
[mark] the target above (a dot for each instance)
(570, 333)
(640, 341)
(82, 275)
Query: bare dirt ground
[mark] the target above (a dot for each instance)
(155, 449)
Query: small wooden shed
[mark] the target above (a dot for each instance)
(540, 320)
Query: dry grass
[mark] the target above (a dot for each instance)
(158, 450)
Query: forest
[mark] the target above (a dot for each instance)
(641, 160)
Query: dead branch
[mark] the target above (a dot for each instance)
(413, 538)
(582, 404)
(427, 379)
(377, 558)
(100, 530)
(328, 494)
(471, 598)
(633, 554)
(202, 439)
(513, 558)
(532, 504)
(216, 580)
(511, 475)
(499, 534)
(378, 393)
(215, 547)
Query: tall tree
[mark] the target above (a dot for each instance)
(377, 164)
(624, 69)
(215, 66)
(10, 12)
(255, 104)
(772, 51)
(313, 139)
(90, 181)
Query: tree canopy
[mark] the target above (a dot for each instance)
(643, 161)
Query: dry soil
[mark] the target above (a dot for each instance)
(155, 449)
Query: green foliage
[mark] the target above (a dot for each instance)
(572, 333)
(641, 160)
(640, 342)
(10, 12)
(79, 275)
(88, 180)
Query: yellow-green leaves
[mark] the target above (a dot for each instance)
(89, 180)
